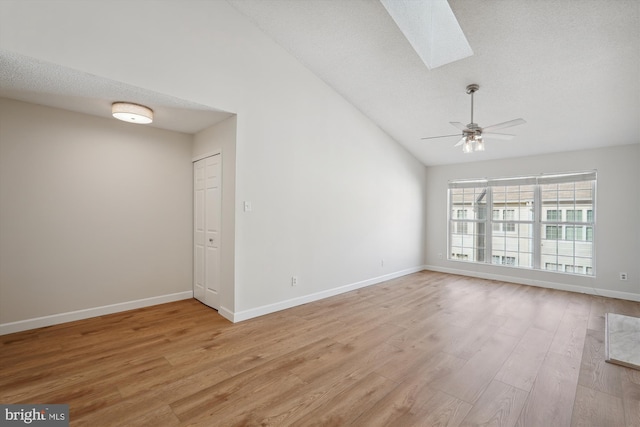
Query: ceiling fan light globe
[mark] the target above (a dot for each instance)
(467, 148)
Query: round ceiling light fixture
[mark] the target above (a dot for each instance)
(132, 113)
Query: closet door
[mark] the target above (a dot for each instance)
(207, 208)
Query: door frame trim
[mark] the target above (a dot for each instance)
(205, 155)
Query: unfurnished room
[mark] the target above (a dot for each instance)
(320, 213)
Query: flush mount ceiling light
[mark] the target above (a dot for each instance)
(132, 113)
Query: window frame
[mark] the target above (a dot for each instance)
(468, 228)
(580, 217)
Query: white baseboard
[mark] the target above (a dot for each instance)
(293, 302)
(540, 283)
(55, 319)
(39, 322)
(226, 313)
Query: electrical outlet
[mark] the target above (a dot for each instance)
(439, 255)
(623, 276)
(381, 263)
(294, 280)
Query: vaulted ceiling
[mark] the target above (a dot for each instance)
(570, 68)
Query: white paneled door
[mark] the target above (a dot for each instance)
(207, 206)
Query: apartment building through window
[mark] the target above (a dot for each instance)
(544, 222)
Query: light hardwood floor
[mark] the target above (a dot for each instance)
(428, 349)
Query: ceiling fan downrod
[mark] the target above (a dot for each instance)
(471, 89)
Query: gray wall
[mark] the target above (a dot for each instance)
(617, 240)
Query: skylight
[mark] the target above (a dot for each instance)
(432, 30)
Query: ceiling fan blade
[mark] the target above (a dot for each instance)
(493, 135)
(508, 124)
(441, 136)
(462, 140)
(459, 125)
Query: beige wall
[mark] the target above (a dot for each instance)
(93, 212)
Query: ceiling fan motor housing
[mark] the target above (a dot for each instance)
(473, 130)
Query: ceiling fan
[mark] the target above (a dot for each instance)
(472, 134)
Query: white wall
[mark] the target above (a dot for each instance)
(617, 239)
(93, 212)
(221, 138)
(333, 196)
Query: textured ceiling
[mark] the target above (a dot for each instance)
(30, 80)
(570, 68)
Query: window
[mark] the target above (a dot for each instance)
(550, 266)
(512, 223)
(496, 216)
(589, 234)
(574, 215)
(462, 226)
(565, 199)
(467, 222)
(589, 230)
(509, 215)
(573, 233)
(544, 222)
(553, 232)
(573, 269)
(553, 215)
(503, 260)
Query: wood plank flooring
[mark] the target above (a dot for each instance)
(428, 349)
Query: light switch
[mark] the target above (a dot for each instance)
(247, 206)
